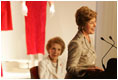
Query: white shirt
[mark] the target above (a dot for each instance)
(48, 71)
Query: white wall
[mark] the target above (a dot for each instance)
(106, 26)
(13, 42)
(62, 24)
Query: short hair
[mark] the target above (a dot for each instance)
(83, 15)
(57, 40)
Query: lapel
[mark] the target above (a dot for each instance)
(50, 68)
(59, 67)
(88, 45)
(81, 36)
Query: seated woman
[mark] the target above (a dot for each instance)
(52, 67)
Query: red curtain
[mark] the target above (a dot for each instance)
(6, 18)
(35, 26)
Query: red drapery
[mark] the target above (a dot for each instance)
(6, 19)
(35, 26)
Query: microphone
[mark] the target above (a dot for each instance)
(113, 41)
(110, 38)
(109, 42)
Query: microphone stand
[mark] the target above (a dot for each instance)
(108, 50)
(111, 70)
(105, 55)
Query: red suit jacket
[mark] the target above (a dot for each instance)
(6, 19)
(35, 26)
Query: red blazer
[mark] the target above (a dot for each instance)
(6, 19)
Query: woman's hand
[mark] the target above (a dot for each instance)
(91, 69)
(95, 69)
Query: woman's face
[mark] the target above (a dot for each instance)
(55, 51)
(90, 26)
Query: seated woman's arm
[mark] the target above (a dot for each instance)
(42, 70)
